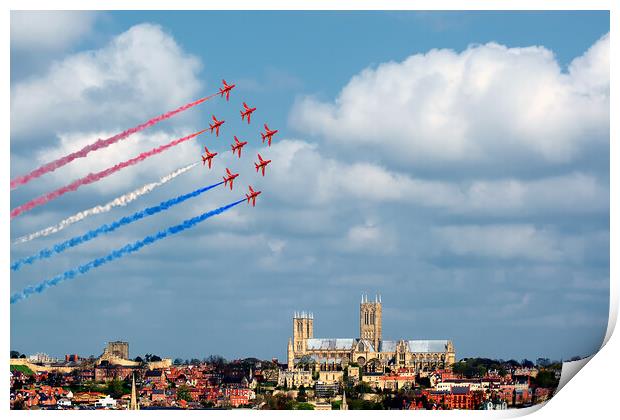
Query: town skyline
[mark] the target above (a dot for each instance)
(113, 381)
(281, 355)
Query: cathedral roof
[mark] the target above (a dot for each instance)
(365, 345)
(330, 343)
(416, 346)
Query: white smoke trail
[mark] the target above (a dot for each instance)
(123, 200)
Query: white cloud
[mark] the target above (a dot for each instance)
(567, 319)
(368, 237)
(590, 72)
(486, 103)
(512, 241)
(38, 30)
(573, 192)
(140, 73)
(301, 174)
(276, 245)
(146, 171)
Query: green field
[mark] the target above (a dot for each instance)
(22, 368)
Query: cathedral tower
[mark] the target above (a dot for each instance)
(303, 328)
(370, 320)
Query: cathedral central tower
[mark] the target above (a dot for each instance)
(303, 328)
(370, 320)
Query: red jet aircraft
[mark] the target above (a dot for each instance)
(268, 134)
(229, 177)
(262, 164)
(208, 157)
(252, 195)
(225, 90)
(247, 113)
(216, 125)
(238, 145)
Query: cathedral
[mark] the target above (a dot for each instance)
(370, 351)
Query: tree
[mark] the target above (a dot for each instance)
(513, 363)
(151, 358)
(115, 388)
(425, 382)
(527, 363)
(216, 360)
(177, 362)
(18, 404)
(138, 359)
(546, 379)
(194, 361)
(54, 379)
(301, 394)
(15, 354)
(183, 393)
(363, 388)
(304, 406)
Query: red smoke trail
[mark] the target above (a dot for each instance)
(90, 178)
(100, 144)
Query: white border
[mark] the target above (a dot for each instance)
(592, 394)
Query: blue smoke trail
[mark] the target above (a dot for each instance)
(119, 253)
(107, 228)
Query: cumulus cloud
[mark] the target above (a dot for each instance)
(140, 142)
(514, 241)
(38, 30)
(503, 241)
(303, 175)
(486, 103)
(369, 237)
(136, 75)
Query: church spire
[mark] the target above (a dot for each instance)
(133, 404)
(343, 405)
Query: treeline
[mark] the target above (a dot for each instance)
(17, 355)
(479, 366)
(220, 362)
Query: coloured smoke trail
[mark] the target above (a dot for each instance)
(90, 178)
(111, 227)
(100, 144)
(123, 200)
(119, 253)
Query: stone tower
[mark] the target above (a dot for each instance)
(303, 328)
(118, 349)
(290, 355)
(370, 320)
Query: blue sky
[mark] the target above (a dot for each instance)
(469, 185)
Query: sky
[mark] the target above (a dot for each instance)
(457, 163)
